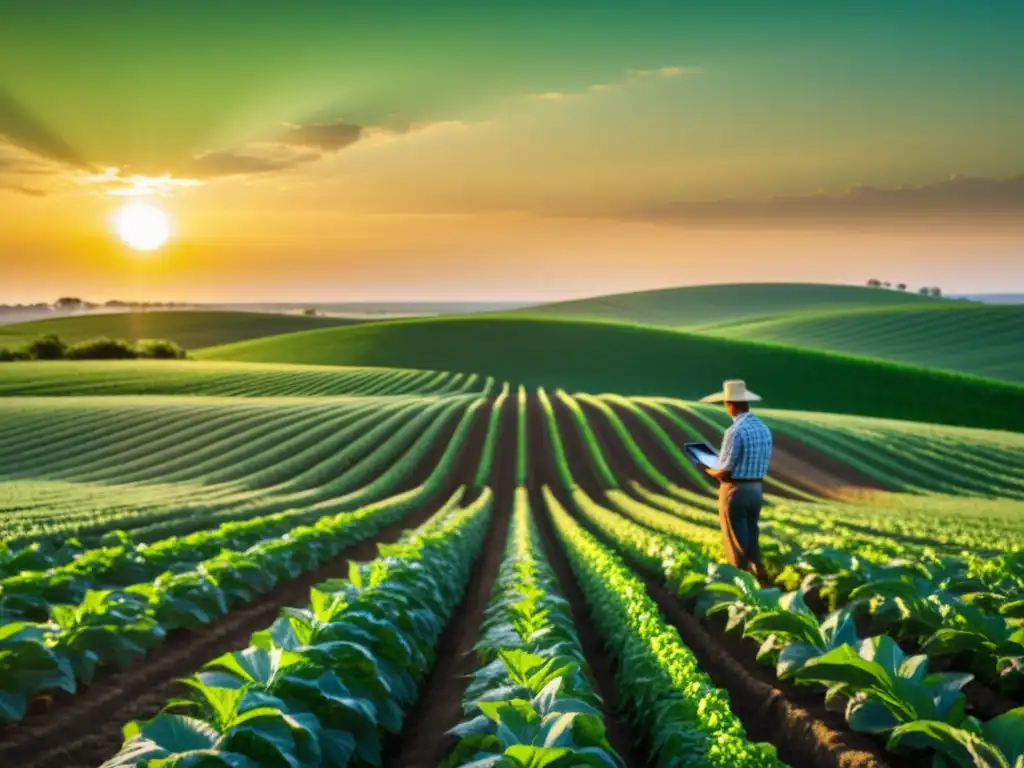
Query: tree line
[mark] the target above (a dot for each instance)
(924, 290)
(52, 347)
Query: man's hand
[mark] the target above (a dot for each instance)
(721, 475)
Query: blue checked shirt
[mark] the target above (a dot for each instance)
(746, 448)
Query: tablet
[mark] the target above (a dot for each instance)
(703, 454)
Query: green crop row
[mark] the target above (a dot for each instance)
(113, 377)
(323, 686)
(685, 719)
(530, 701)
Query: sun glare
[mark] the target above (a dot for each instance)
(142, 226)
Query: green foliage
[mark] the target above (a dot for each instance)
(530, 699)
(101, 349)
(52, 347)
(159, 349)
(49, 347)
(324, 685)
(685, 719)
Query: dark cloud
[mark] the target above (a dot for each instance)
(246, 162)
(23, 130)
(328, 137)
(959, 196)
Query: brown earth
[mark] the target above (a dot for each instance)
(423, 741)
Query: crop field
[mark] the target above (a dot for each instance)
(980, 340)
(640, 360)
(271, 565)
(190, 329)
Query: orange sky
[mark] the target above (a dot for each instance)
(467, 156)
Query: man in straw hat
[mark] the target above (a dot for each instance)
(742, 465)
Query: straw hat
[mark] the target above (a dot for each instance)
(733, 391)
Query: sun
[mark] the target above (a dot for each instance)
(142, 226)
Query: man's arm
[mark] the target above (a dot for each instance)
(731, 445)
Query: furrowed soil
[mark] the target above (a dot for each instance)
(423, 742)
(602, 668)
(803, 731)
(84, 730)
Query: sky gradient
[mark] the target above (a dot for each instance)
(333, 150)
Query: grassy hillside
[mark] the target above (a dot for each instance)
(190, 329)
(639, 360)
(979, 339)
(701, 305)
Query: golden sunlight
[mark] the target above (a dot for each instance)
(142, 226)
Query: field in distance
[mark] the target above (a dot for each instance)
(641, 360)
(694, 307)
(984, 340)
(190, 329)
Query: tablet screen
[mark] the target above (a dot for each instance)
(703, 453)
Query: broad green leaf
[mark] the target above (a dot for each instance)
(960, 746)
(1007, 733)
(175, 733)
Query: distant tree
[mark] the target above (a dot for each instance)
(901, 286)
(11, 355)
(47, 348)
(310, 312)
(874, 283)
(160, 349)
(925, 291)
(68, 303)
(101, 349)
(887, 284)
(936, 291)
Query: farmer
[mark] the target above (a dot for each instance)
(742, 465)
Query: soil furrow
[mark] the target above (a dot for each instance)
(87, 726)
(423, 741)
(602, 669)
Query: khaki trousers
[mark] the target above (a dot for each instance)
(739, 512)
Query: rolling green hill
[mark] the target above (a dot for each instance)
(189, 329)
(985, 340)
(702, 305)
(640, 360)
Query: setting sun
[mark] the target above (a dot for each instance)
(142, 226)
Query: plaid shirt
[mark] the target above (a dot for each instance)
(746, 448)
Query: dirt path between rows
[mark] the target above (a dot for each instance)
(423, 741)
(87, 727)
(602, 668)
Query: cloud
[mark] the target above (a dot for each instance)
(958, 197)
(630, 76)
(329, 137)
(114, 182)
(663, 72)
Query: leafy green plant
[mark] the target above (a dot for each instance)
(530, 701)
(998, 743)
(886, 688)
(322, 685)
(685, 719)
